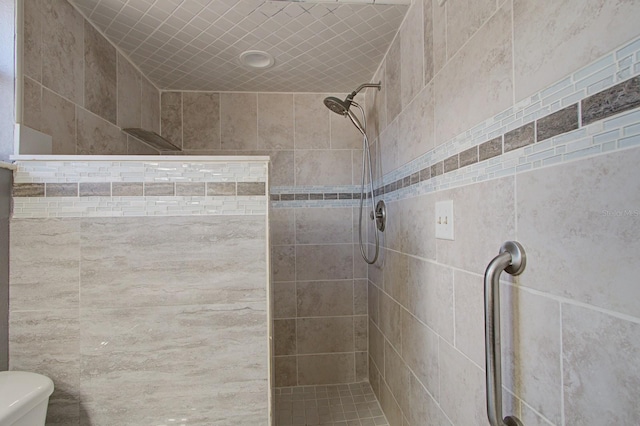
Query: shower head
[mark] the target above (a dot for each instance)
(338, 106)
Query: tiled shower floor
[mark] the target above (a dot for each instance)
(332, 405)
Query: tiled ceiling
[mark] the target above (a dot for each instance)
(194, 44)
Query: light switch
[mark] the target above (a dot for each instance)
(444, 220)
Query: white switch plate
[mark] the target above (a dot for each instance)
(444, 220)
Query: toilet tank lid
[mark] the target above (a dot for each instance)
(20, 391)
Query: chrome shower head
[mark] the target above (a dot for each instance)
(338, 106)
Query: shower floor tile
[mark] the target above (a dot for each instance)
(331, 405)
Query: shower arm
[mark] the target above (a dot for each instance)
(353, 94)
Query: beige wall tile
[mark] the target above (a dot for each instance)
(552, 39)
(284, 337)
(282, 168)
(390, 320)
(311, 122)
(360, 297)
(97, 136)
(344, 135)
(396, 375)
(284, 299)
(360, 326)
(324, 262)
(62, 49)
(389, 151)
(325, 335)
(373, 300)
(283, 262)
(601, 377)
(428, 39)
(326, 369)
(406, 233)
(201, 120)
(464, 19)
(482, 70)
(136, 147)
(376, 106)
(100, 75)
(439, 14)
(275, 121)
(323, 226)
(416, 127)
(238, 121)
(376, 345)
(362, 367)
(323, 167)
(325, 298)
(32, 39)
(282, 226)
(389, 405)
(420, 351)
(395, 274)
(412, 53)
(171, 117)
(423, 406)
(566, 225)
(393, 80)
(286, 368)
(479, 226)
(59, 121)
(150, 114)
(129, 94)
(32, 104)
(469, 315)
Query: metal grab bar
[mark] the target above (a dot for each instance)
(513, 260)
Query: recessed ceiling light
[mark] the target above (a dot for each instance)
(256, 59)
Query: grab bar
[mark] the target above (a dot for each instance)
(513, 260)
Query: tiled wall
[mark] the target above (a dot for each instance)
(490, 104)
(78, 88)
(144, 319)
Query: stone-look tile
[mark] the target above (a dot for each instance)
(311, 122)
(480, 227)
(468, 157)
(393, 78)
(490, 149)
(61, 189)
(422, 406)
(390, 320)
(462, 388)
(557, 123)
(190, 189)
(373, 300)
(619, 98)
(583, 243)
(389, 405)
(463, 20)
(360, 297)
(326, 369)
(439, 17)
(325, 298)
(469, 315)
(412, 53)
(405, 234)
(360, 267)
(388, 150)
(395, 276)
(275, 121)
(451, 163)
(174, 341)
(415, 127)
(98, 137)
(251, 188)
(344, 134)
(374, 378)
(47, 342)
(531, 351)
(420, 351)
(28, 190)
(32, 104)
(430, 296)
(376, 345)
(282, 170)
(284, 299)
(517, 138)
(324, 226)
(126, 189)
(286, 370)
(100, 87)
(323, 167)
(601, 371)
(150, 108)
(427, 40)
(171, 116)
(325, 335)
(530, 417)
(137, 147)
(51, 245)
(95, 189)
(541, 60)
(226, 266)
(360, 324)
(238, 121)
(59, 121)
(62, 49)
(221, 188)
(283, 263)
(201, 120)
(32, 39)
(376, 107)
(159, 189)
(437, 169)
(284, 337)
(362, 367)
(482, 70)
(324, 262)
(396, 375)
(282, 226)
(129, 94)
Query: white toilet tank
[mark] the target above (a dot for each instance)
(24, 398)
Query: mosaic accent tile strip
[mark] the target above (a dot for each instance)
(130, 188)
(331, 405)
(571, 119)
